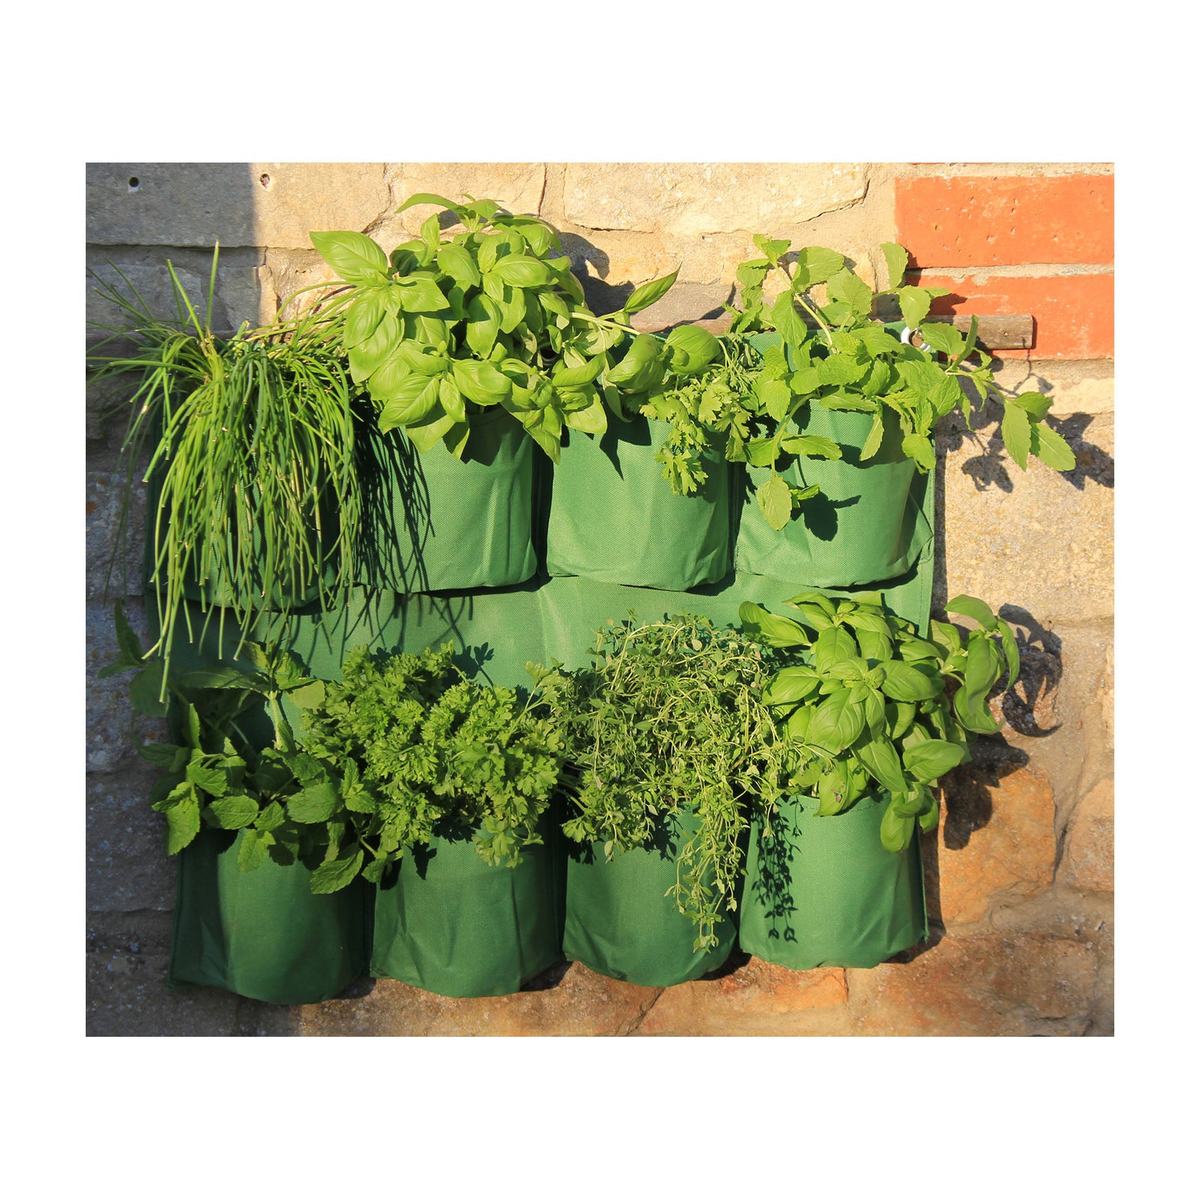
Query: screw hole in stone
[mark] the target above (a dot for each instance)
(134, 183)
(265, 180)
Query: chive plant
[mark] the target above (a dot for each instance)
(250, 442)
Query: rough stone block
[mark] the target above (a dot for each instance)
(1035, 539)
(989, 986)
(237, 297)
(128, 868)
(112, 547)
(758, 998)
(126, 986)
(1088, 859)
(518, 187)
(577, 1003)
(108, 743)
(995, 841)
(236, 204)
(697, 199)
(971, 222)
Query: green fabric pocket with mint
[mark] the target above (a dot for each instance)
(865, 526)
(621, 923)
(451, 924)
(823, 891)
(263, 934)
(432, 522)
(614, 518)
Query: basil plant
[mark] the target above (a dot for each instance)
(868, 705)
(449, 326)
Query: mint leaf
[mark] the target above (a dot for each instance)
(335, 875)
(1016, 433)
(897, 262)
(775, 500)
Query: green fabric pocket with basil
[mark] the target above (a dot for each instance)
(823, 891)
(263, 934)
(451, 924)
(613, 517)
(432, 522)
(620, 921)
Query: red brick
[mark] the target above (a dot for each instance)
(975, 222)
(1072, 314)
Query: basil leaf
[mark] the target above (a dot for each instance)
(969, 606)
(354, 256)
(775, 631)
(649, 293)
(932, 759)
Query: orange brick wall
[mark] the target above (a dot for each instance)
(1016, 245)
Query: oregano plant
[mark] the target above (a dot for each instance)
(669, 715)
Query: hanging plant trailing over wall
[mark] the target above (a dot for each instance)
(449, 326)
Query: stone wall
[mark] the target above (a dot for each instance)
(1020, 871)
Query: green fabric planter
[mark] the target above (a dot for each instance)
(866, 526)
(263, 934)
(434, 523)
(825, 893)
(620, 922)
(451, 924)
(614, 519)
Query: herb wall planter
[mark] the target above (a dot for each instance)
(263, 934)
(614, 518)
(434, 523)
(620, 922)
(451, 924)
(825, 892)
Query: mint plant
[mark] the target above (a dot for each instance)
(447, 327)
(837, 355)
(213, 773)
(669, 715)
(867, 704)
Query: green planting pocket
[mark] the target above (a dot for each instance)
(434, 523)
(865, 526)
(614, 518)
(262, 933)
(451, 924)
(824, 892)
(620, 921)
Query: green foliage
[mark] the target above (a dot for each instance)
(835, 354)
(250, 442)
(449, 326)
(865, 703)
(411, 749)
(669, 715)
(213, 773)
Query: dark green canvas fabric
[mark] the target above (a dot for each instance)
(451, 924)
(614, 519)
(619, 921)
(263, 934)
(823, 892)
(434, 523)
